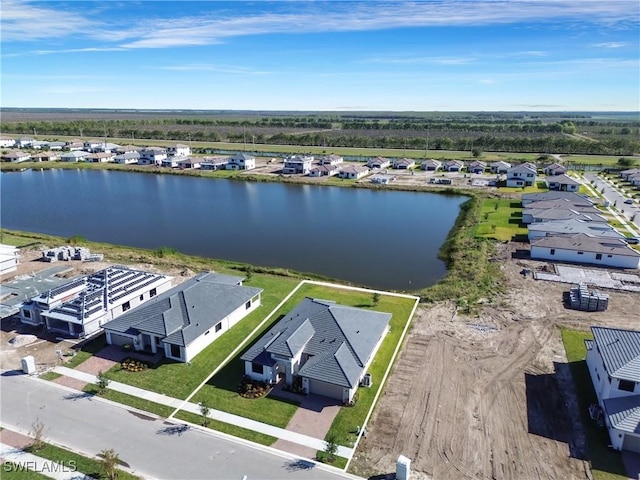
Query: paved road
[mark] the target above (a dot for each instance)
(152, 447)
(614, 197)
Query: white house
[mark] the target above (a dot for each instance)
(297, 164)
(7, 142)
(555, 169)
(169, 162)
(100, 157)
(572, 227)
(499, 167)
(24, 142)
(330, 160)
(188, 163)
(378, 162)
(181, 322)
(353, 172)
(241, 161)
(562, 182)
(476, 167)
(403, 163)
(325, 170)
(9, 259)
(613, 357)
(431, 165)
(381, 179)
(179, 150)
(47, 156)
(588, 249)
(15, 156)
(214, 163)
(523, 175)
(74, 156)
(152, 156)
(453, 166)
(324, 347)
(80, 307)
(528, 198)
(127, 158)
(537, 215)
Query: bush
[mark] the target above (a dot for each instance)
(132, 365)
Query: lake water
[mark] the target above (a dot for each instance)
(382, 239)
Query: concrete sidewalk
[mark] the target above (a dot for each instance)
(281, 433)
(27, 461)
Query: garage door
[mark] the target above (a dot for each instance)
(631, 443)
(120, 340)
(325, 389)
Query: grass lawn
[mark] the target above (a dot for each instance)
(339, 462)
(227, 428)
(86, 465)
(500, 219)
(220, 391)
(50, 376)
(14, 471)
(178, 380)
(606, 464)
(135, 402)
(606, 160)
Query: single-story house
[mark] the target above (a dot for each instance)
(80, 307)
(100, 157)
(571, 227)
(353, 172)
(188, 162)
(46, 156)
(170, 162)
(555, 169)
(381, 179)
(107, 147)
(324, 346)
(179, 150)
(127, 158)
(326, 170)
(9, 259)
(631, 172)
(378, 162)
(15, 156)
(500, 167)
(184, 320)
(537, 215)
(453, 166)
(74, 156)
(403, 163)
(24, 142)
(613, 357)
(127, 149)
(215, 163)
(73, 146)
(476, 167)
(7, 142)
(562, 182)
(241, 161)
(297, 164)
(528, 198)
(431, 165)
(523, 175)
(583, 248)
(152, 156)
(330, 160)
(56, 145)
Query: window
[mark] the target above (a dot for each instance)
(126, 306)
(580, 253)
(553, 251)
(598, 256)
(218, 326)
(609, 256)
(598, 375)
(26, 313)
(142, 297)
(247, 305)
(175, 351)
(626, 385)
(207, 332)
(152, 292)
(256, 368)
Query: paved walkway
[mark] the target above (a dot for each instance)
(281, 433)
(27, 461)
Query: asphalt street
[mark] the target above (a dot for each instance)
(615, 198)
(152, 447)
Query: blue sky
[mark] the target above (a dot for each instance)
(304, 55)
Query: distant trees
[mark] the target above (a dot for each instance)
(476, 152)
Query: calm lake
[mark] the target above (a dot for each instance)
(382, 239)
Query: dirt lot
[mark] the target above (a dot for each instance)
(486, 396)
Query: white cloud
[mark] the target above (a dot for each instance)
(206, 67)
(611, 45)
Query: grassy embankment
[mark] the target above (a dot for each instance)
(606, 464)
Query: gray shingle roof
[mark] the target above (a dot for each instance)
(564, 214)
(620, 352)
(542, 196)
(574, 226)
(562, 180)
(624, 413)
(188, 310)
(339, 339)
(586, 243)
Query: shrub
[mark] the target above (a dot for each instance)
(132, 365)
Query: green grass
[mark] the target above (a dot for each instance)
(339, 462)
(86, 465)
(50, 376)
(500, 219)
(178, 380)
(86, 350)
(135, 402)
(605, 160)
(15, 471)
(606, 464)
(227, 428)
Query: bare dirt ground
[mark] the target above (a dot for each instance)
(490, 395)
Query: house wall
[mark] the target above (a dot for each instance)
(560, 255)
(269, 374)
(599, 376)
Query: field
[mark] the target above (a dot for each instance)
(489, 395)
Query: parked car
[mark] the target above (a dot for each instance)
(633, 240)
(628, 201)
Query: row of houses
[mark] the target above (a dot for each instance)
(321, 346)
(632, 175)
(567, 227)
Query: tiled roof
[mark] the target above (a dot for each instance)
(624, 413)
(620, 352)
(339, 339)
